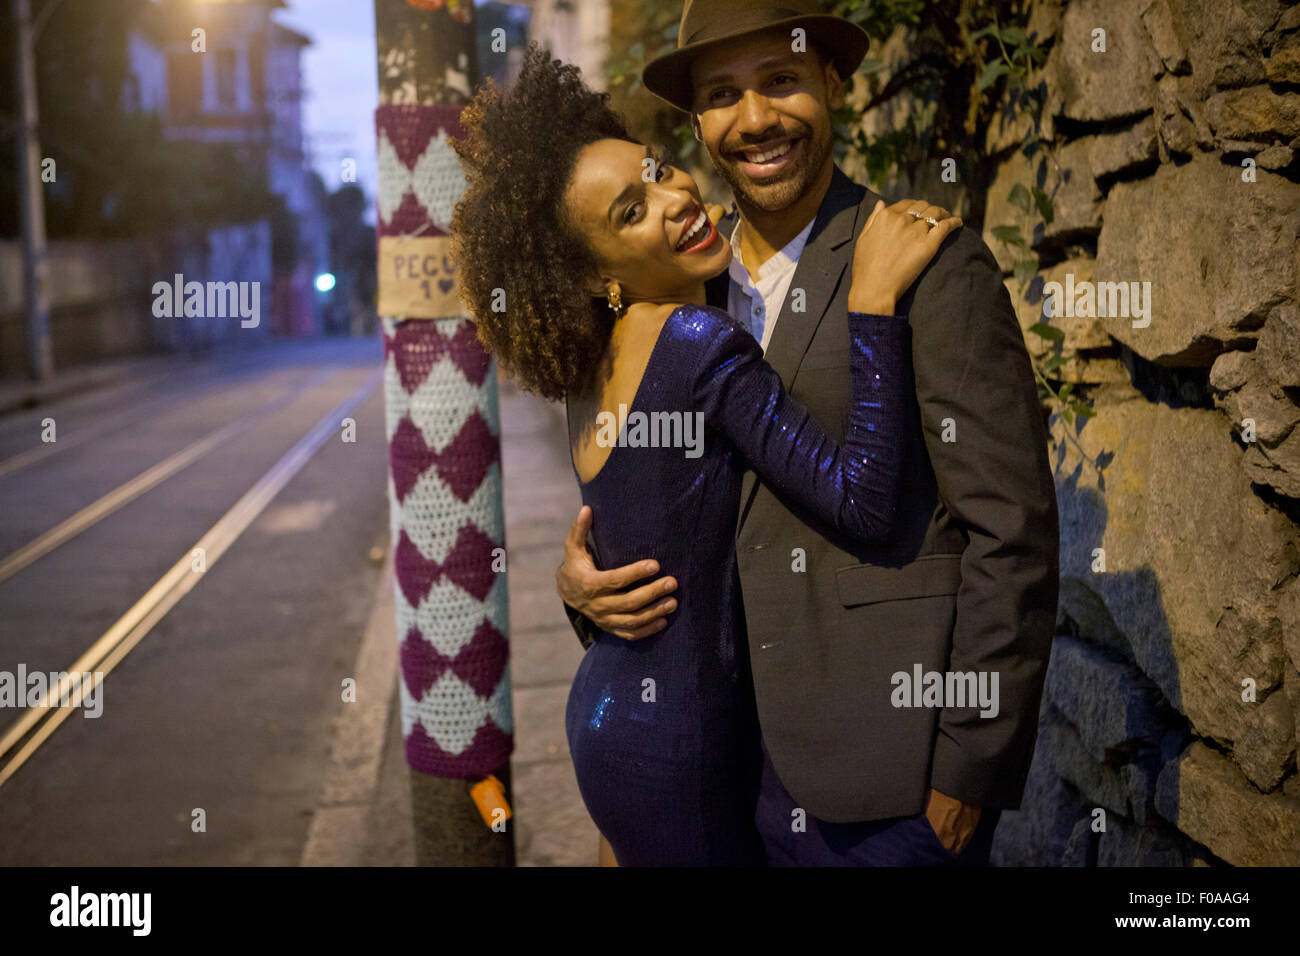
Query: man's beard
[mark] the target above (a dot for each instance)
(771, 196)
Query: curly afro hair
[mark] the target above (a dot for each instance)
(510, 233)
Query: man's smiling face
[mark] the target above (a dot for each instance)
(764, 115)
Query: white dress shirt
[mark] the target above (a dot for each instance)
(757, 305)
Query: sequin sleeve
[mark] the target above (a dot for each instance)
(852, 487)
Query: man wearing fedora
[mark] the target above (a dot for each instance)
(898, 685)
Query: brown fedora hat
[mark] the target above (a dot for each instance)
(710, 23)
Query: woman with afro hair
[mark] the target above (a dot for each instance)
(583, 257)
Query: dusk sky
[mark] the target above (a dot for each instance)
(341, 87)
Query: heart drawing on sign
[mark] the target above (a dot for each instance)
(445, 285)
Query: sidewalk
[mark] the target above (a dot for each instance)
(19, 393)
(541, 501)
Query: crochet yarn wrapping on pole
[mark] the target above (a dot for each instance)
(444, 482)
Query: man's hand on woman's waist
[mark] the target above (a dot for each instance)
(601, 597)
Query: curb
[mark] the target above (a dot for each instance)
(337, 833)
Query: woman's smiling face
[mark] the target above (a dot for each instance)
(644, 221)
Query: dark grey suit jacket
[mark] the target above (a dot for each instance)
(968, 581)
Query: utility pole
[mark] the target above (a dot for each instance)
(448, 528)
(40, 362)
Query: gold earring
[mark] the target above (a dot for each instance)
(615, 301)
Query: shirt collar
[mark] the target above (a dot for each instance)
(784, 258)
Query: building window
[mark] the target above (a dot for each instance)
(131, 93)
(227, 95)
(185, 86)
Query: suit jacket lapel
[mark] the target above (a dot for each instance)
(822, 264)
(821, 267)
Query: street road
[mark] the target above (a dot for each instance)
(223, 702)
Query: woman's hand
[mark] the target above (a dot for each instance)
(895, 245)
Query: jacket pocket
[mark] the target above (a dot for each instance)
(932, 575)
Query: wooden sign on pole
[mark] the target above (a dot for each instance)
(417, 279)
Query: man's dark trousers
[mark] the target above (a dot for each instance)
(791, 838)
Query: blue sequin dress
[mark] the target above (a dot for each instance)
(663, 731)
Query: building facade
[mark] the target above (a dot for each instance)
(225, 71)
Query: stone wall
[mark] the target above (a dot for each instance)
(1172, 706)
(1171, 710)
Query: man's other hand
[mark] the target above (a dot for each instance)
(953, 822)
(600, 595)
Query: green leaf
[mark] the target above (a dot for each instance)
(1082, 410)
(1053, 363)
(1068, 416)
(1009, 234)
(1013, 36)
(1019, 197)
(1065, 391)
(992, 70)
(1025, 270)
(1044, 204)
(1043, 330)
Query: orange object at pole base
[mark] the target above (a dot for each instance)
(489, 795)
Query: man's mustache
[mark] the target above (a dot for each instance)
(749, 142)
